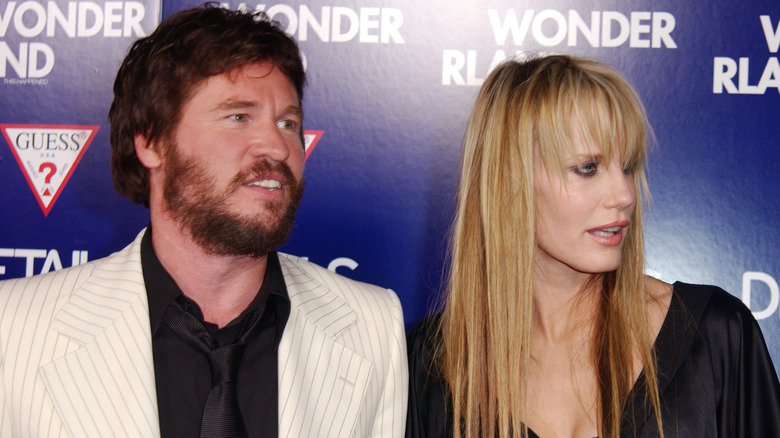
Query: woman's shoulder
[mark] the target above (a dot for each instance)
(718, 319)
(701, 303)
(710, 304)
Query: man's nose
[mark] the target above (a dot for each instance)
(269, 141)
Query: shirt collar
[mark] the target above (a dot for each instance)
(161, 288)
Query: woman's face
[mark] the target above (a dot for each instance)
(582, 216)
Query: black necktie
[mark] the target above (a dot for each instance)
(221, 417)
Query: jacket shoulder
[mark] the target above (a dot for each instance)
(299, 269)
(57, 286)
(61, 281)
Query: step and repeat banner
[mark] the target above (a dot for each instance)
(391, 84)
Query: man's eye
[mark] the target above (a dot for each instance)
(287, 125)
(239, 117)
(586, 169)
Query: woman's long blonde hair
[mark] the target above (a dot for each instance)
(525, 108)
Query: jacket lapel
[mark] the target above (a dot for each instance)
(106, 386)
(322, 382)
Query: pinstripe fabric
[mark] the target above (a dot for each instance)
(342, 366)
(76, 357)
(76, 352)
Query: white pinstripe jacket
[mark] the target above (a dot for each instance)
(76, 354)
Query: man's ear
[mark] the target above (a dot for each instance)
(148, 152)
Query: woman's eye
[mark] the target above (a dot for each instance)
(586, 169)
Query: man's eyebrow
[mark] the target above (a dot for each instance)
(233, 104)
(293, 110)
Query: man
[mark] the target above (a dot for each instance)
(199, 328)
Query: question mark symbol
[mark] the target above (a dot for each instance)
(52, 169)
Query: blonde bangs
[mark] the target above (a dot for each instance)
(607, 110)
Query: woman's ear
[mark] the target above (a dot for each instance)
(148, 152)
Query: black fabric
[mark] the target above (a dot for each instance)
(716, 378)
(221, 416)
(182, 373)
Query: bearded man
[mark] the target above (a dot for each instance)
(199, 327)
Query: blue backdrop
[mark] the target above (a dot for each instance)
(390, 88)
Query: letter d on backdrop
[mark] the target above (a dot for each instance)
(774, 291)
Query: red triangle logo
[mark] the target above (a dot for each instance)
(311, 138)
(48, 155)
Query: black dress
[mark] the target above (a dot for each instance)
(716, 378)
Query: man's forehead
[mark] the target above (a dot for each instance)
(247, 72)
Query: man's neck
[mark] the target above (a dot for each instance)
(222, 286)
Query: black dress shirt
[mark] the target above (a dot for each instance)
(182, 374)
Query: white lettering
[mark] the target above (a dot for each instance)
(79, 257)
(774, 293)
(27, 63)
(560, 23)
(18, 63)
(36, 49)
(770, 77)
(744, 71)
(663, 25)
(501, 30)
(287, 11)
(724, 70)
(367, 23)
(339, 24)
(321, 28)
(113, 15)
(607, 40)
(392, 20)
(606, 28)
(51, 260)
(134, 14)
(637, 29)
(590, 33)
(5, 19)
(772, 36)
(5, 252)
(80, 19)
(68, 23)
(342, 261)
(29, 255)
(353, 24)
(84, 17)
(40, 20)
(453, 62)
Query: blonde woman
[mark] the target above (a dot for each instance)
(550, 327)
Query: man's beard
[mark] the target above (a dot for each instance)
(192, 199)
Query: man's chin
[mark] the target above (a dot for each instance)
(239, 242)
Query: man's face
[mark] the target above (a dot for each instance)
(234, 173)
